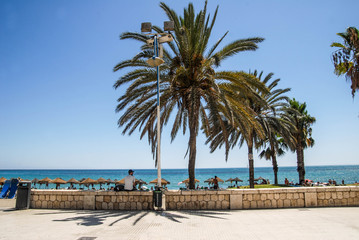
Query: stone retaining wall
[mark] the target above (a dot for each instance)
(202, 199)
(99, 200)
(198, 200)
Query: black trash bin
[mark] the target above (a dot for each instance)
(23, 195)
(157, 198)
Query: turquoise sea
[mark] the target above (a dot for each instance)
(350, 174)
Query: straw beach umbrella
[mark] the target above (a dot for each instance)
(24, 180)
(89, 181)
(72, 181)
(163, 181)
(260, 178)
(45, 181)
(80, 181)
(137, 181)
(109, 181)
(2, 180)
(101, 181)
(229, 180)
(121, 182)
(220, 180)
(209, 181)
(257, 179)
(35, 181)
(58, 181)
(187, 180)
(140, 182)
(237, 180)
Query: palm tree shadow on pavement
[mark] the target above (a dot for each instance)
(93, 218)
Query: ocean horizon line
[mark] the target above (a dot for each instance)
(9, 169)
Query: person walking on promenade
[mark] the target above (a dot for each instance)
(215, 182)
(130, 181)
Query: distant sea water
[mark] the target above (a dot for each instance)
(348, 173)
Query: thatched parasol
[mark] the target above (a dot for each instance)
(229, 180)
(73, 181)
(137, 181)
(121, 182)
(58, 181)
(237, 180)
(210, 180)
(101, 181)
(24, 180)
(45, 181)
(219, 180)
(109, 181)
(187, 180)
(88, 181)
(140, 181)
(234, 180)
(163, 181)
(2, 180)
(257, 179)
(35, 181)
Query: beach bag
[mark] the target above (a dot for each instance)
(119, 188)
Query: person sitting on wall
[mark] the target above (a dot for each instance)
(130, 181)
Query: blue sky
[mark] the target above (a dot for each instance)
(57, 102)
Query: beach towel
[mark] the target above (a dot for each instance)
(13, 188)
(5, 189)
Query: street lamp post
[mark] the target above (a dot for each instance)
(156, 61)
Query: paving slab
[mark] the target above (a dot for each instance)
(300, 223)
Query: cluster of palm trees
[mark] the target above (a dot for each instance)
(229, 107)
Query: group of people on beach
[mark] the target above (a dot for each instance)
(308, 182)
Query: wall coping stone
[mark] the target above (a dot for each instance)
(198, 192)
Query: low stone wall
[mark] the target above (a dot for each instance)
(93, 200)
(199, 199)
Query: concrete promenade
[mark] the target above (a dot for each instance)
(295, 223)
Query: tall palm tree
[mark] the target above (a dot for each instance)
(269, 116)
(273, 147)
(275, 122)
(302, 133)
(190, 87)
(266, 108)
(346, 58)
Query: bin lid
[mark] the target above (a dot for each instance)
(25, 181)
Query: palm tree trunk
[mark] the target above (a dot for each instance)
(300, 163)
(192, 157)
(193, 126)
(275, 169)
(251, 165)
(275, 165)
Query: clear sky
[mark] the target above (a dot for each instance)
(57, 103)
